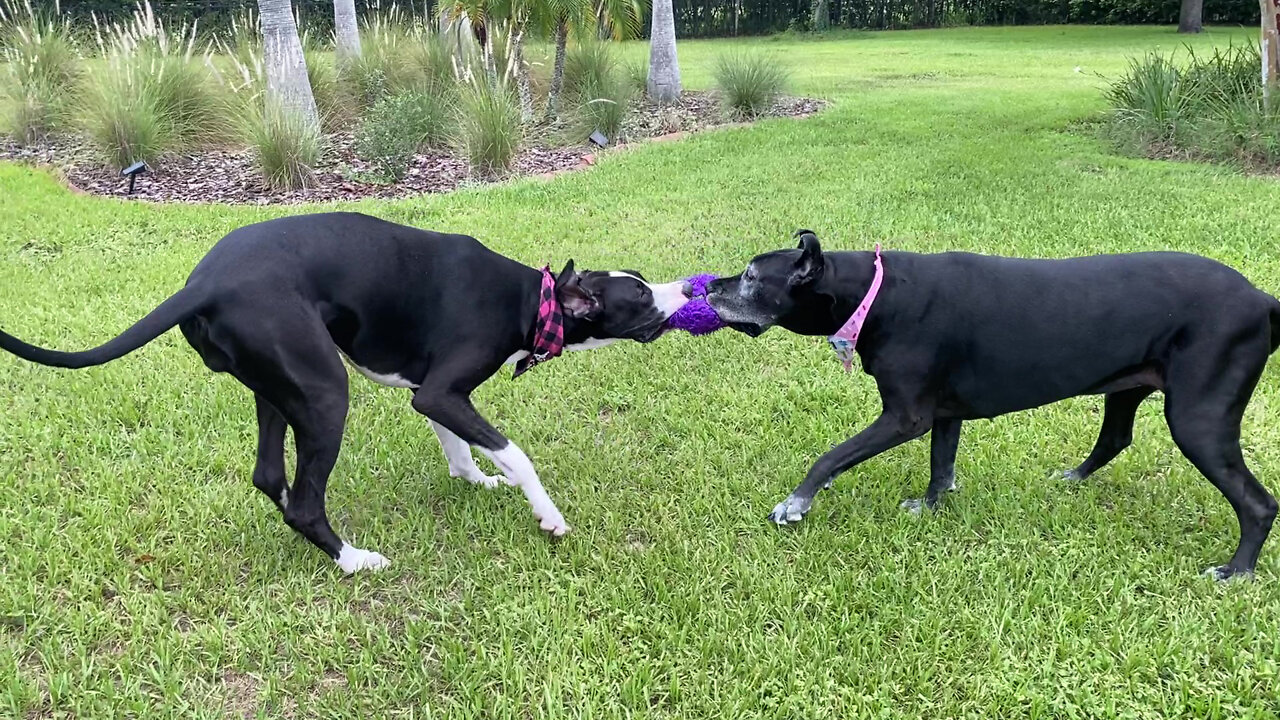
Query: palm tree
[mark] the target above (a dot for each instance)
(287, 84)
(1270, 50)
(517, 15)
(619, 19)
(664, 67)
(346, 32)
(476, 13)
(563, 14)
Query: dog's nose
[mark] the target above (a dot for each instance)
(687, 288)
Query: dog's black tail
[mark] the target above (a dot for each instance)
(182, 305)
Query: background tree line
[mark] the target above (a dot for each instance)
(716, 18)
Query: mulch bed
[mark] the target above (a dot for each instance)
(229, 176)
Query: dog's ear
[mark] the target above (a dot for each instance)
(809, 266)
(575, 300)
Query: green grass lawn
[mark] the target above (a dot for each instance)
(141, 575)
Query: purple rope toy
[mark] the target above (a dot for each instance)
(697, 317)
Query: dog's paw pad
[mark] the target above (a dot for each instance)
(354, 559)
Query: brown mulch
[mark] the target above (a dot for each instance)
(229, 176)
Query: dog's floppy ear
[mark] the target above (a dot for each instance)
(574, 299)
(809, 267)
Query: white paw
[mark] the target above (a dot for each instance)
(352, 559)
(915, 507)
(552, 522)
(475, 477)
(789, 511)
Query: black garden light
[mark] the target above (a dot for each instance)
(597, 138)
(133, 171)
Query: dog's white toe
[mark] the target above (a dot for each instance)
(915, 506)
(353, 559)
(553, 524)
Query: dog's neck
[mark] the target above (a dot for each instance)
(531, 294)
(845, 280)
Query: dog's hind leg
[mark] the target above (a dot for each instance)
(944, 440)
(1203, 406)
(888, 431)
(268, 472)
(1116, 434)
(289, 360)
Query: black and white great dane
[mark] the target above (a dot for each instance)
(275, 304)
(957, 336)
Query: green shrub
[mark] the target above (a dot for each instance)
(588, 66)
(381, 69)
(397, 127)
(41, 69)
(285, 146)
(122, 122)
(154, 93)
(1206, 105)
(637, 74)
(334, 103)
(489, 131)
(600, 106)
(1150, 99)
(749, 83)
(430, 62)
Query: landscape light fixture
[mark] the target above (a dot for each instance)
(133, 171)
(598, 138)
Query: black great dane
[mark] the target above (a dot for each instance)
(276, 303)
(956, 336)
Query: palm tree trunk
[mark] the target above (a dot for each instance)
(1270, 51)
(664, 67)
(522, 74)
(346, 32)
(287, 83)
(557, 74)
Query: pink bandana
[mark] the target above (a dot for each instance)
(845, 341)
(548, 338)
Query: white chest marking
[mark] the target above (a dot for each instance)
(388, 379)
(590, 344)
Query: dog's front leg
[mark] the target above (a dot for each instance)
(455, 412)
(888, 431)
(944, 440)
(461, 464)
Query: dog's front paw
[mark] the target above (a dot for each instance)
(915, 506)
(476, 477)
(790, 511)
(353, 559)
(551, 522)
(1072, 475)
(1223, 573)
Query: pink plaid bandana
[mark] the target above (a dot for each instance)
(845, 341)
(548, 340)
